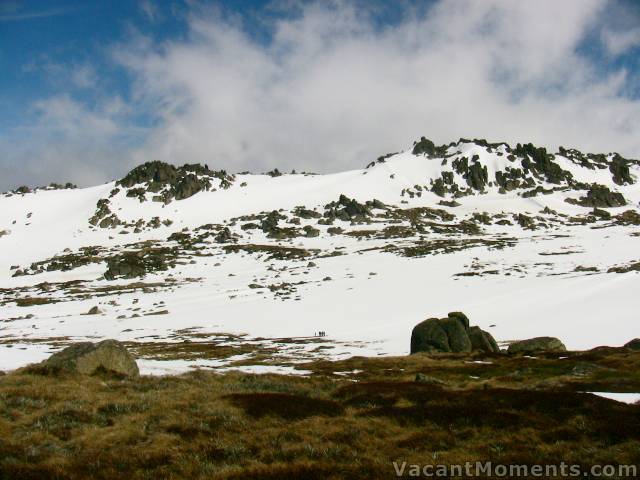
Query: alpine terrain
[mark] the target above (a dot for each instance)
(192, 267)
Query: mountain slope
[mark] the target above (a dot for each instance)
(200, 267)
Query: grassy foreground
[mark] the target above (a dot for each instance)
(513, 410)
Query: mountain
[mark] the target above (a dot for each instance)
(198, 267)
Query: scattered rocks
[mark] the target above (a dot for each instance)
(89, 358)
(537, 344)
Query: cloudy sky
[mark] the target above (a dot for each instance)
(89, 88)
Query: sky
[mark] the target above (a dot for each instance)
(89, 89)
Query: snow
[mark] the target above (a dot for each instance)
(629, 398)
(536, 291)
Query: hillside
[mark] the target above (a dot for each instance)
(198, 267)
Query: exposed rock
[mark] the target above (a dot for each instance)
(484, 341)
(224, 236)
(598, 212)
(427, 147)
(441, 335)
(171, 182)
(94, 311)
(451, 334)
(4, 232)
(619, 169)
(461, 317)
(310, 231)
(525, 221)
(628, 217)
(306, 213)
(631, 267)
(599, 196)
(88, 358)
(139, 263)
(347, 209)
(537, 344)
(633, 344)
(274, 173)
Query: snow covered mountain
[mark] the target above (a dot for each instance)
(196, 267)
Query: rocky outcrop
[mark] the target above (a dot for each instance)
(89, 358)
(139, 263)
(170, 182)
(599, 196)
(451, 334)
(536, 345)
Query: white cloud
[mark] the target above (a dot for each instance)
(67, 142)
(618, 43)
(333, 91)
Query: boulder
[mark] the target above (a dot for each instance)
(94, 311)
(484, 341)
(429, 336)
(633, 344)
(538, 344)
(461, 317)
(88, 358)
(457, 334)
(442, 335)
(451, 334)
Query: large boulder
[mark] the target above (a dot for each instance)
(633, 344)
(481, 340)
(537, 344)
(451, 334)
(88, 358)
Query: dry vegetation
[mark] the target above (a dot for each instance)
(349, 425)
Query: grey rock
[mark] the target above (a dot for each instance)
(94, 311)
(440, 335)
(481, 340)
(88, 358)
(537, 344)
(451, 334)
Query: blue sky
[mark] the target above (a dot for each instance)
(90, 88)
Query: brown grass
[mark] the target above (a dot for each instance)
(203, 425)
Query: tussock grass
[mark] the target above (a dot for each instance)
(204, 425)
